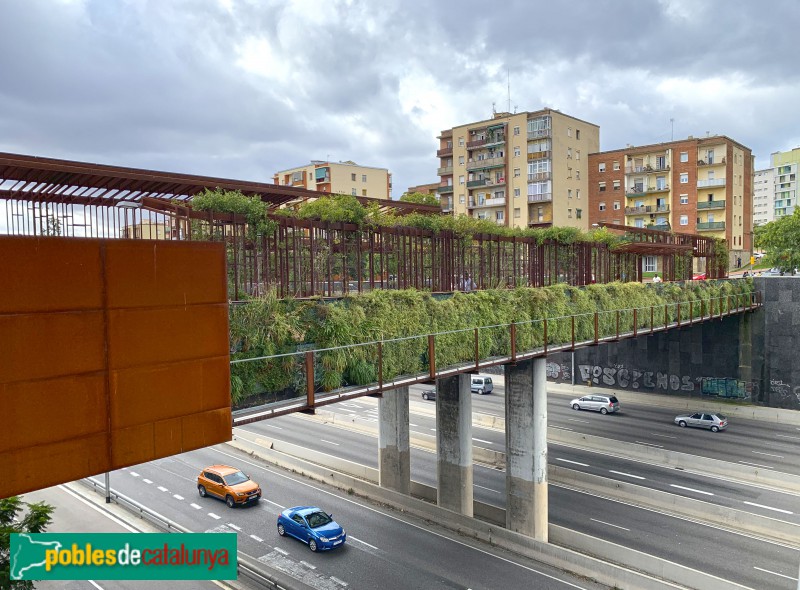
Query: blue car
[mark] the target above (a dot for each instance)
(311, 525)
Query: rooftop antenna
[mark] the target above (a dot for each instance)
(494, 110)
(672, 129)
(508, 79)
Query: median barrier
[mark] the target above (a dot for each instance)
(607, 563)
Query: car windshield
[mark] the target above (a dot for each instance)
(613, 400)
(318, 519)
(487, 380)
(235, 478)
(721, 417)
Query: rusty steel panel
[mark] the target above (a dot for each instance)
(112, 353)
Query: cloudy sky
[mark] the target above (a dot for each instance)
(243, 88)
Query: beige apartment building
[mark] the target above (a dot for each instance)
(694, 185)
(527, 169)
(346, 178)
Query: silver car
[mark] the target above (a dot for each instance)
(714, 422)
(605, 404)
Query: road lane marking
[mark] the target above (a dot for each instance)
(134, 474)
(433, 429)
(488, 442)
(626, 474)
(573, 462)
(162, 489)
(769, 508)
(561, 427)
(761, 569)
(490, 489)
(609, 524)
(352, 538)
(787, 436)
(147, 481)
(414, 425)
(578, 420)
(234, 527)
(95, 584)
(350, 405)
(338, 581)
(756, 464)
(214, 516)
(281, 551)
(259, 539)
(330, 442)
(768, 454)
(275, 504)
(308, 565)
(641, 442)
(271, 426)
(177, 497)
(663, 435)
(690, 489)
(195, 506)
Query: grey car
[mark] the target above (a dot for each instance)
(713, 421)
(605, 404)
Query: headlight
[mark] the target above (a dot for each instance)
(324, 539)
(241, 494)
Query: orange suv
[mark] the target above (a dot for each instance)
(229, 484)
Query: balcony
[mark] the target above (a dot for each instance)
(711, 204)
(444, 170)
(539, 224)
(711, 183)
(495, 202)
(539, 133)
(477, 183)
(539, 155)
(638, 210)
(660, 226)
(323, 179)
(711, 226)
(541, 198)
(444, 189)
(538, 176)
(486, 163)
(647, 169)
(638, 191)
(444, 152)
(710, 163)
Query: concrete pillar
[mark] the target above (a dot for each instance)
(454, 443)
(394, 453)
(526, 448)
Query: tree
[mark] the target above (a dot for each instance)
(420, 199)
(781, 240)
(36, 519)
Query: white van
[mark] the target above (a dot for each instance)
(481, 384)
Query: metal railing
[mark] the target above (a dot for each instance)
(711, 183)
(711, 204)
(409, 360)
(710, 225)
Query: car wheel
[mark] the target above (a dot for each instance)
(682, 424)
(425, 396)
(603, 411)
(714, 429)
(312, 544)
(202, 491)
(576, 407)
(229, 501)
(281, 530)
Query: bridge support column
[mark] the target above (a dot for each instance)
(394, 452)
(454, 443)
(526, 448)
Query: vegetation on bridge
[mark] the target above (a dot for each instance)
(270, 326)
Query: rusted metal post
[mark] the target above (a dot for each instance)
(666, 316)
(545, 336)
(652, 318)
(679, 314)
(617, 324)
(380, 366)
(691, 312)
(431, 357)
(596, 328)
(573, 332)
(513, 342)
(310, 380)
(477, 350)
(635, 323)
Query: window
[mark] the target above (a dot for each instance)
(460, 160)
(516, 193)
(684, 220)
(461, 199)
(461, 141)
(516, 209)
(364, 192)
(569, 153)
(616, 185)
(577, 175)
(684, 156)
(516, 130)
(499, 215)
(517, 151)
(353, 192)
(616, 205)
(569, 193)
(461, 179)
(577, 134)
(684, 199)
(602, 206)
(363, 178)
(569, 213)
(577, 193)
(353, 177)
(638, 222)
(684, 177)
(616, 166)
(601, 167)
(578, 213)
(539, 214)
(602, 187)
(516, 172)
(649, 264)
(569, 172)
(569, 131)
(577, 154)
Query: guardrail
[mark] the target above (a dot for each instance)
(409, 360)
(248, 571)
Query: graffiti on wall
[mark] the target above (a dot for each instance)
(783, 393)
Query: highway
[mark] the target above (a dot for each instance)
(385, 549)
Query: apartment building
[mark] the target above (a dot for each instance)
(785, 170)
(763, 196)
(695, 185)
(527, 169)
(425, 189)
(346, 178)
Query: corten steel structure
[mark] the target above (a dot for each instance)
(299, 258)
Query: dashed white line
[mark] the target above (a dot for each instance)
(768, 454)
(414, 425)
(561, 427)
(338, 581)
(578, 420)
(663, 435)
(274, 504)
(626, 474)
(162, 489)
(308, 565)
(271, 426)
(259, 539)
(352, 538)
(787, 436)
(433, 429)
(214, 516)
(756, 464)
(281, 551)
(761, 569)
(234, 527)
(490, 489)
(195, 506)
(690, 489)
(95, 584)
(641, 442)
(488, 442)
(572, 462)
(177, 497)
(134, 474)
(147, 481)
(616, 526)
(769, 508)
(330, 442)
